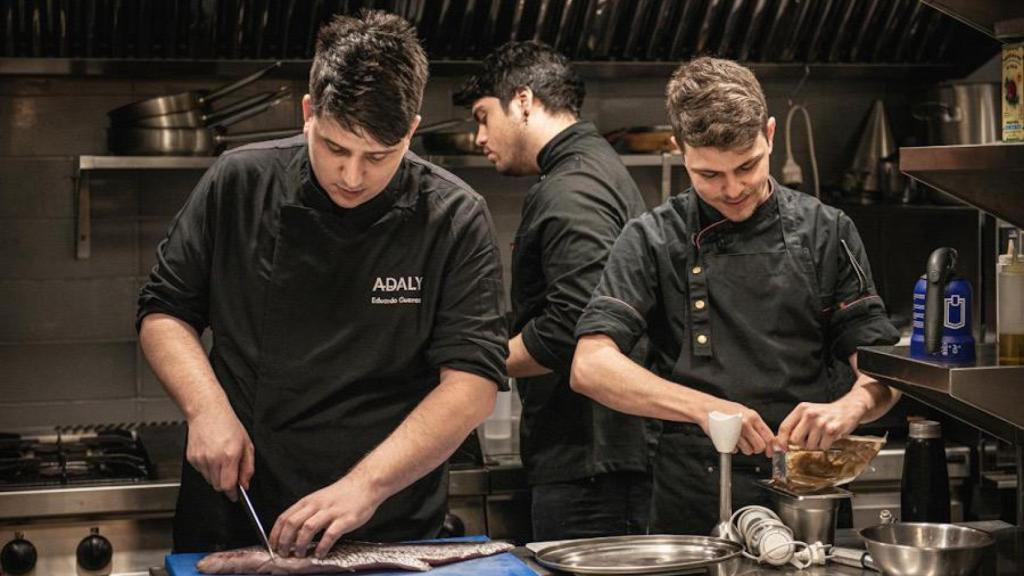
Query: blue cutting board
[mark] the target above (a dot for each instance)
(498, 565)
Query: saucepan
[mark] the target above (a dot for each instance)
(195, 99)
(200, 141)
(925, 549)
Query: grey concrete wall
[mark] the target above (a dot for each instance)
(68, 349)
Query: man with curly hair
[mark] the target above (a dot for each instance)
(749, 293)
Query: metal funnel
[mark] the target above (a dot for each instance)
(876, 143)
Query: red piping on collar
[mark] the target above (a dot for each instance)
(697, 237)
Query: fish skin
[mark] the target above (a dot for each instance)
(349, 557)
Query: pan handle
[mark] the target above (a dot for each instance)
(252, 111)
(234, 86)
(217, 117)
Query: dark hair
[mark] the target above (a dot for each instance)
(716, 102)
(530, 65)
(368, 74)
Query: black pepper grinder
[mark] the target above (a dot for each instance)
(924, 492)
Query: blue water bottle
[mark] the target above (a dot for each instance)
(942, 312)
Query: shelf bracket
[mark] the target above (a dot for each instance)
(83, 213)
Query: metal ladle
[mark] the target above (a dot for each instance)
(724, 430)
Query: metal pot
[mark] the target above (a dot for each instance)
(923, 549)
(181, 102)
(962, 113)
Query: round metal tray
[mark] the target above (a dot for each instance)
(655, 554)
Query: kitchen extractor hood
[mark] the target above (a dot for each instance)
(815, 32)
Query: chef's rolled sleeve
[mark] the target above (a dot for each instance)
(626, 293)
(178, 284)
(578, 226)
(470, 332)
(858, 316)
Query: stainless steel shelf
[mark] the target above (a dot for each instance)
(983, 394)
(84, 165)
(987, 176)
(144, 162)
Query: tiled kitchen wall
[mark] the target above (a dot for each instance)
(68, 350)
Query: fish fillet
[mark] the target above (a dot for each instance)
(349, 557)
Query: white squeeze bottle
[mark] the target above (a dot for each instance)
(1010, 306)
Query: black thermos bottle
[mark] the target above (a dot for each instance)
(924, 494)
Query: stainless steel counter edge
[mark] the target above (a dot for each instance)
(68, 501)
(984, 386)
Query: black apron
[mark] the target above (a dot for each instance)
(310, 429)
(755, 331)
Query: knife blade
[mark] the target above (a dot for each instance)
(256, 520)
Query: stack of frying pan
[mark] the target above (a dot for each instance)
(186, 124)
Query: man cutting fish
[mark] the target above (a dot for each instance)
(354, 295)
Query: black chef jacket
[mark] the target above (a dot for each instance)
(752, 312)
(570, 220)
(330, 325)
(655, 274)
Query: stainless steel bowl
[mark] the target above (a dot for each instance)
(922, 549)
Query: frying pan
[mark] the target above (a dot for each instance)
(184, 141)
(642, 139)
(201, 141)
(196, 117)
(161, 105)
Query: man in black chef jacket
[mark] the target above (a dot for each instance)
(748, 291)
(354, 293)
(587, 466)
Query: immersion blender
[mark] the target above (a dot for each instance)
(724, 430)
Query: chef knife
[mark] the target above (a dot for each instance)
(256, 520)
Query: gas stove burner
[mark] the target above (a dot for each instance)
(78, 455)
